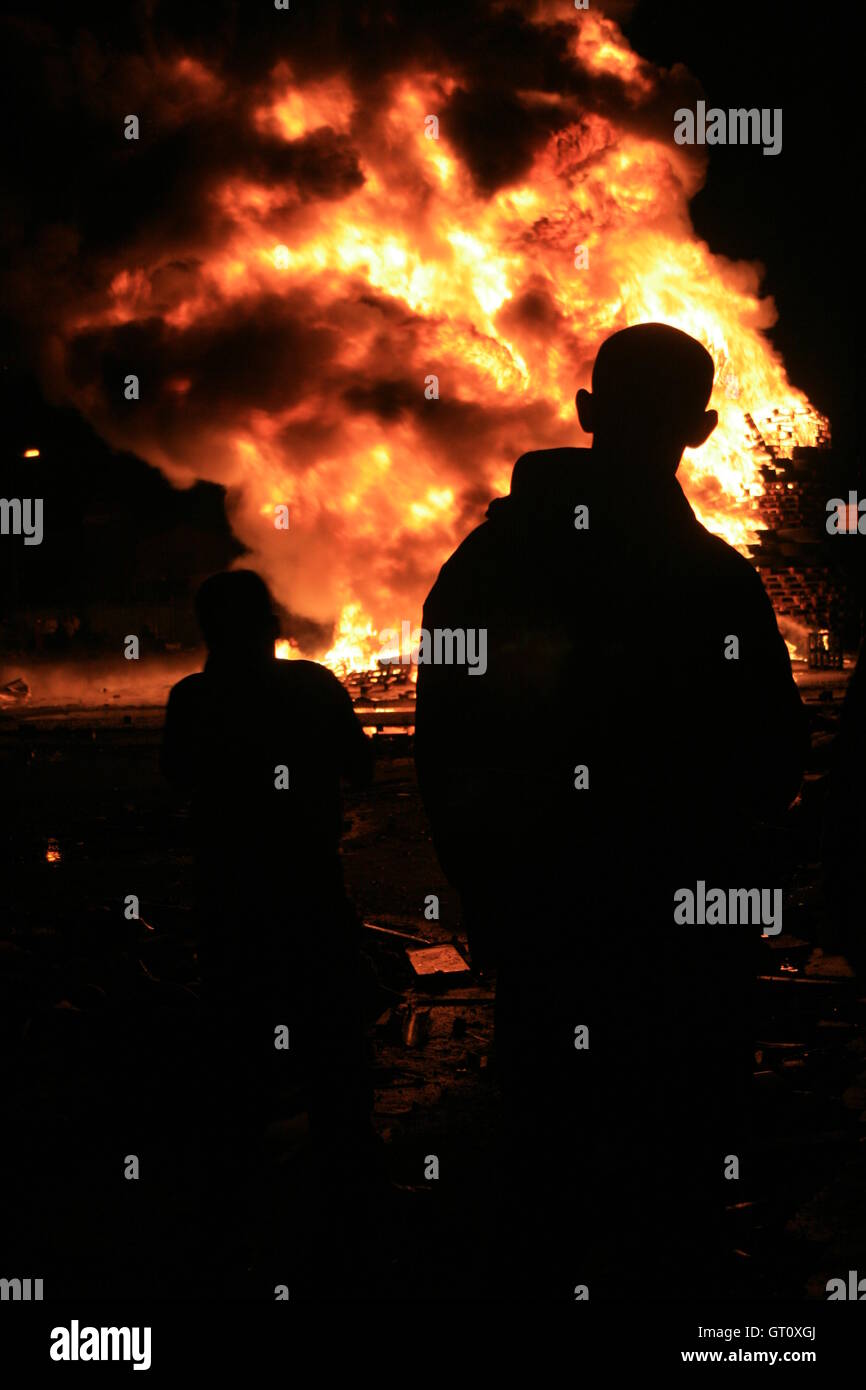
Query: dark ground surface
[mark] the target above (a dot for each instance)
(98, 1015)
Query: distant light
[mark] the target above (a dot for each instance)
(31, 454)
(52, 853)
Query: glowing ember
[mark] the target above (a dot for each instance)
(399, 335)
(52, 853)
(31, 454)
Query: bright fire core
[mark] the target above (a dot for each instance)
(407, 272)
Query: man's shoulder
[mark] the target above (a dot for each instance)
(312, 677)
(303, 668)
(187, 689)
(717, 568)
(723, 557)
(543, 463)
(472, 559)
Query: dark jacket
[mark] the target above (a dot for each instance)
(606, 648)
(227, 732)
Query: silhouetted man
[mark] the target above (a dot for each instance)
(260, 745)
(619, 747)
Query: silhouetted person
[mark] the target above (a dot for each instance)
(260, 746)
(607, 636)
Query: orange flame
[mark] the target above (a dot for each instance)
(416, 273)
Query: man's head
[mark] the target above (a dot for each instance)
(236, 614)
(650, 388)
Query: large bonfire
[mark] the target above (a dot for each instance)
(425, 327)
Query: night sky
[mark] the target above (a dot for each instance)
(794, 212)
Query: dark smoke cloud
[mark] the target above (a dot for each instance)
(77, 196)
(81, 205)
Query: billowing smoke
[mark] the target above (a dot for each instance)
(358, 259)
